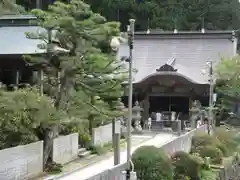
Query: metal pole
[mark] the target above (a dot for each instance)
(116, 149)
(129, 122)
(211, 86)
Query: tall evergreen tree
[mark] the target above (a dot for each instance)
(83, 79)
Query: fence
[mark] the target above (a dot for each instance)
(182, 143)
(65, 148)
(21, 162)
(103, 134)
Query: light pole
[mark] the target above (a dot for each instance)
(129, 122)
(115, 43)
(211, 101)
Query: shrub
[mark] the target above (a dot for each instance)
(151, 163)
(228, 138)
(24, 115)
(98, 149)
(213, 152)
(79, 127)
(201, 140)
(208, 175)
(186, 164)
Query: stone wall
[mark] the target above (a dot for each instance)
(103, 134)
(65, 148)
(21, 162)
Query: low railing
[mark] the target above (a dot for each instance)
(166, 125)
(182, 143)
(110, 174)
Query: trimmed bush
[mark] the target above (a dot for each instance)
(151, 163)
(201, 140)
(186, 165)
(228, 138)
(213, 152)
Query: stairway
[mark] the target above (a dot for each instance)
(83, 153)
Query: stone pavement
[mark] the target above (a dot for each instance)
(106, 162)
(79, 164)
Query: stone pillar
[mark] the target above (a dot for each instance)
(194, 112)
(17, 78)
(136, 117)
(146, 106)
(119, 107)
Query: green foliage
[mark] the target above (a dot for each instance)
(228, 71)
(99, 150)
(54, 168)
(203, 139)
(85, 139)
(222, 143)
(228, 138)
(9, 7)
(213, 152)
(152, 163)
(208, 175)
(91, 77)
(186, 164)
(23, 113)
(166, 15)
(77, 126)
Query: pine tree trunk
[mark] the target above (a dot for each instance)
(90, 127)
(49, 135)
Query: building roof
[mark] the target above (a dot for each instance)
(164, 33)
(14, 41)
(191, 51)
(13, 36)
(17, 17)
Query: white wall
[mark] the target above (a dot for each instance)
(183, 142)
(21, 162)
(103, 134)
(65, 148)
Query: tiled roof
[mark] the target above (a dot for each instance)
(191, 55)
(14, 40)
(207, 32)
(17, 17)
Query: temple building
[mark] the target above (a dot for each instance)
(14, 44)
(168, 65)
(169, 68)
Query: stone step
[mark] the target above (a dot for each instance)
(91, 156)
(80, 150)
(84, 153)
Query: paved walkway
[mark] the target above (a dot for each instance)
(96, 168)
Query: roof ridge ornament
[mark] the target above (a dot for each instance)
(168, 66)
(171, 61)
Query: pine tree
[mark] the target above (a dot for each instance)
(82, 79)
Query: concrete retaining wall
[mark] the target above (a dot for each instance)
(103, 134)
(183, 142)
(21, 162)
(65, 148)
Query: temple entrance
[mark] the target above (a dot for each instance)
(178, 104)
